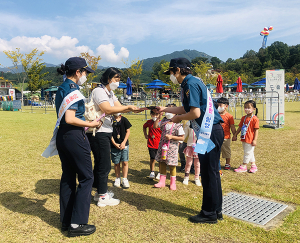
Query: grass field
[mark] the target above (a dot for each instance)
(29, 208)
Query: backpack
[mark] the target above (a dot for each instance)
(91, 114)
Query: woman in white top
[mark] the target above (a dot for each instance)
(107, 102)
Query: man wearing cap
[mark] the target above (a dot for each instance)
(74, 150)
(205, 119)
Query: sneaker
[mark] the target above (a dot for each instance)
(221, 173)
(107, 200)
(125, 183)
(152, 175)
(158, 176)
(185, 180)
(253, 169)
(241, 169)
(227, 167)
(117, 182)
(198, 182)
(96, 197)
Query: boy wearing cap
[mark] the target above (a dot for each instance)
(198, 106)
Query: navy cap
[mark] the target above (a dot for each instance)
(178, 62)
(74, 63)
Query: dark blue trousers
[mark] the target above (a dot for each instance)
(210, 176)
(75, 155)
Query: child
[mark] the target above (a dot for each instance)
(167, 153)
(227, 126)
(120, 148)
(248, 127)
(191, 155)
(153, 139)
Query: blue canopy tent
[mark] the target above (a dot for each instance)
(287, 87)
(260, 82)
(129, 87)
(210, 86)
(235, 85)
(296, 84)
(158, 82)
(122, 86)
(154, 87)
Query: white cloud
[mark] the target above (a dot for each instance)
(62, 48)
(108, 54)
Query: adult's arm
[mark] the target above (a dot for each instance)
(194, 113)
(109, 110)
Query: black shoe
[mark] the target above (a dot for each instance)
(200, 218)
(64, 226)
(220, 216)
(82, 229)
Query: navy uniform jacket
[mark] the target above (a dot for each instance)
(67, 87)
(194, 93)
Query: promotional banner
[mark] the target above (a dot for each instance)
(12, 93)
(274, 87)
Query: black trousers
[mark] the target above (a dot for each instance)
(182, 146)
(210, 176)
(100, 145)
(75, 155)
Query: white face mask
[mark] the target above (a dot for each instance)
(169, 115)
(248, 111)
(82, 80)
(114, 85)
(173, 79)
(154, 118)
(221, 109)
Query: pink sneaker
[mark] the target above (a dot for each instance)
(253, 169)
(241, 169)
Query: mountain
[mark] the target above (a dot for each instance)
(188, 54)
(11, 69)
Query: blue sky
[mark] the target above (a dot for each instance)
(131, 29)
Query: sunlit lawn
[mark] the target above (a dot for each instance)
(29, 208)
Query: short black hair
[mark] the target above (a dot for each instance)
(183, 71)
(171, 105)
(223, 100)
(109, 74)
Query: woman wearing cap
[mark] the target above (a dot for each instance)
(198, 107)
(74, 150)
(107, 102)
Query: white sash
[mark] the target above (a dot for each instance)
(69, 100)
(204, 143)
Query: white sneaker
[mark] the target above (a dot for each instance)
(125, 183)
(158, 176)
(198, 182)
(152, 175)
(96, 197)
(117, 182)
(185, 180)
(107, 200)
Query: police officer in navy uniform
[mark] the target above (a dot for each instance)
(74, 152)
(194, 100)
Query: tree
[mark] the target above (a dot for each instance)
(134, 71)
(166, 78)
(215, 62)
(36, 78)
(92, 62)
(23, 60)
(156, 69)
(200, 70)
(199, 60)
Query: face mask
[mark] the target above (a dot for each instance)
(114, 85)
(154, 118)
(173, 79)
(248, 111)
(220, 109)
(169, 115)
(82, 80)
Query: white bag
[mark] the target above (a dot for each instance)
(91, 114)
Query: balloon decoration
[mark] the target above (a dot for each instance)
(265, 34)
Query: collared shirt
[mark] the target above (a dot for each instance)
(100, 95)
(64, 89)
(194, 94)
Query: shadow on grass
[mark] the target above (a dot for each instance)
(29, 206)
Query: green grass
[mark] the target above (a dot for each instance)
(29, 208)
